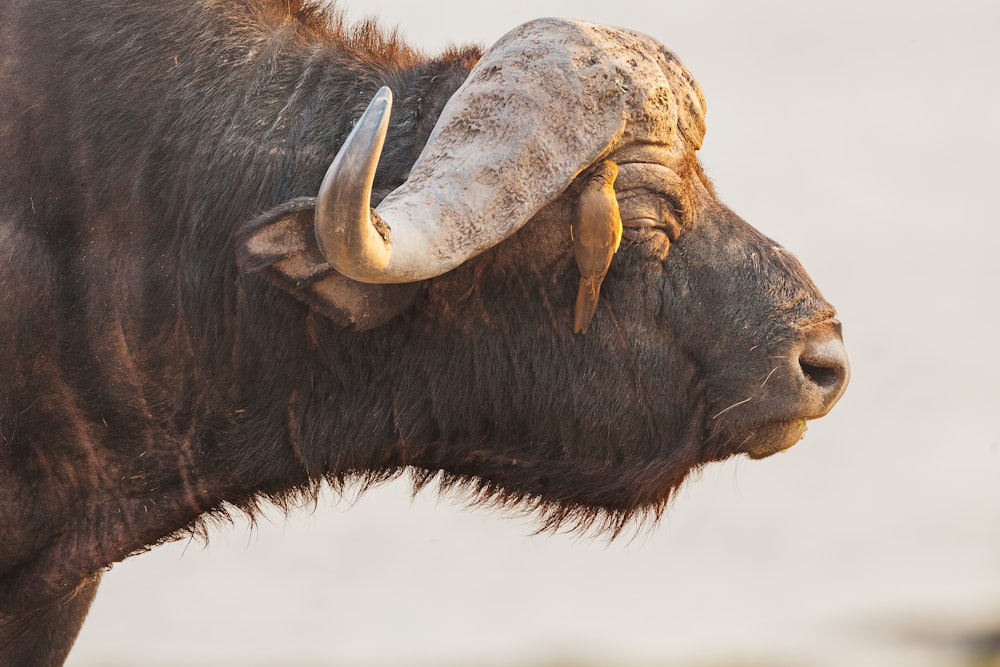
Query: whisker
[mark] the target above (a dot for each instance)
(769, 376)
(745, 400)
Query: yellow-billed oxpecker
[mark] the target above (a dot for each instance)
(596, 230)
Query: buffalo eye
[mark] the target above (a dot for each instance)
(649, 217)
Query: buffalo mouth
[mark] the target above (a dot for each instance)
(812, 380)
(773, 437)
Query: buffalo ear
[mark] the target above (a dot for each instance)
(280, 245)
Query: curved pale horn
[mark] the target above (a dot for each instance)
(345, 232)
(546, 101)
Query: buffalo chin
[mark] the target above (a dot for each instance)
(773, 438)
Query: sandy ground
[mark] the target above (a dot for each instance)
(861, 134)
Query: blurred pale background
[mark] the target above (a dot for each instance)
(864, 136)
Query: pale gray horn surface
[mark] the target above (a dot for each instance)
(344, 230)
(545, 102)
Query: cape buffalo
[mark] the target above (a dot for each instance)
(201, 309)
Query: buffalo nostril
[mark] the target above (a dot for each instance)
(824, 376)
(824, 364)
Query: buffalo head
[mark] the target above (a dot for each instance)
(709, 339)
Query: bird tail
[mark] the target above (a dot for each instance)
(586, 304)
